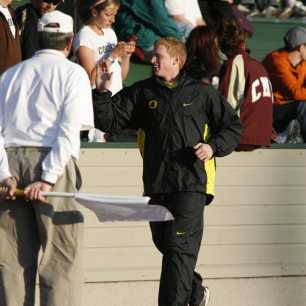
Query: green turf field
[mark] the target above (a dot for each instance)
(16, 3)
(269, 34)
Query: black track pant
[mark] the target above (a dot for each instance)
(179, 241)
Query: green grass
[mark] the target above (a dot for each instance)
(16, 3)
(269, 34)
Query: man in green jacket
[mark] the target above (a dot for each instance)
(185, 123)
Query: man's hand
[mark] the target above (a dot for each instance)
(103, 76)
(8, 188)
(203, 151)
(34, 191)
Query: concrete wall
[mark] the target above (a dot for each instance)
(254, 248)
(286, 291)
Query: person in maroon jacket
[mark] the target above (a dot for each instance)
(246, 85)
(10, 52)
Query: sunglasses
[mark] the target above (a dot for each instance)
(54, 2)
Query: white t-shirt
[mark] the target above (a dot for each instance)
(102, 45)
(5, 11)
(190, 9)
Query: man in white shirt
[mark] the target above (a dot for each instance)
(45, 101)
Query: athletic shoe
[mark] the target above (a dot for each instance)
(205, 298)
(299, 10)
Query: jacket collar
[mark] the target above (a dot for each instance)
(179, 81)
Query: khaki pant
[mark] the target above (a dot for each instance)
(55, 227)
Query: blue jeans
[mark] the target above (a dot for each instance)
(285, 113)
(184, 28)
(302, 118)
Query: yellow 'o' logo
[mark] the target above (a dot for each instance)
(153, 104)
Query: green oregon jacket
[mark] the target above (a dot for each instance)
(173, 119)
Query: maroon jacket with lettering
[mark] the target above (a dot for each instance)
(254, 101)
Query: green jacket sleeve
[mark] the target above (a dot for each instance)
(115, 113)
(225, 125)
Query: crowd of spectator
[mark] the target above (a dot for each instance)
(215, 33)
(278, 8)
(287, 71)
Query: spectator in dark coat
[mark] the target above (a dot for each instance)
(27, 17)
